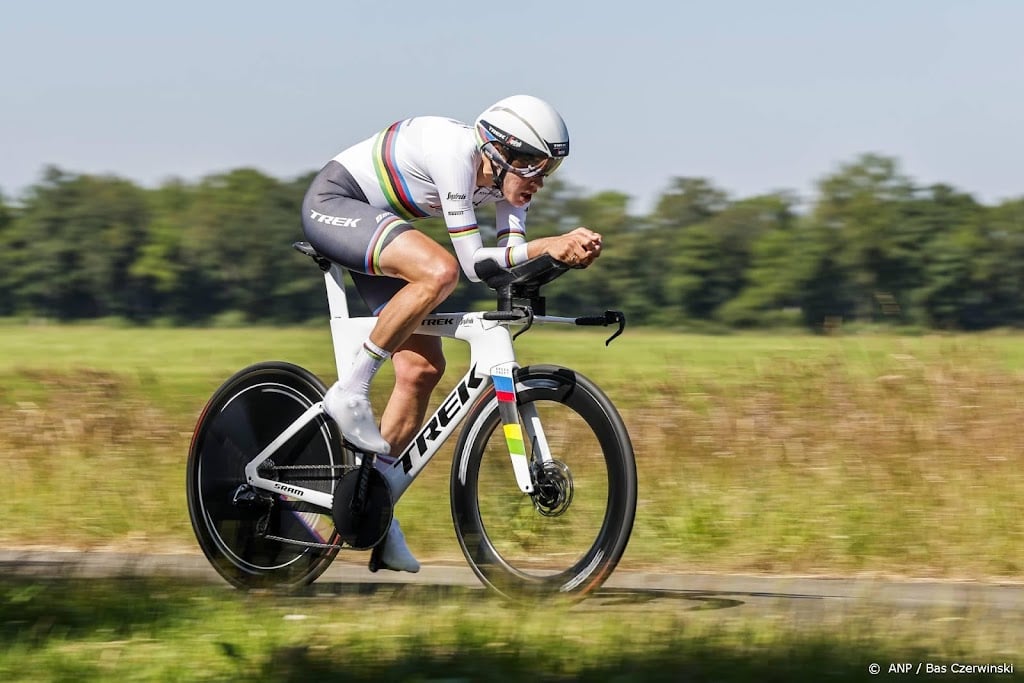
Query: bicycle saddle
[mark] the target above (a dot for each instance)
(309, 250)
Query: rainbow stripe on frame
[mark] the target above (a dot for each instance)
(505, 390)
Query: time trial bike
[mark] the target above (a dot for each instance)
(543, 485)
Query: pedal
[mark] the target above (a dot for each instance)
(376, 561)
(356, 450)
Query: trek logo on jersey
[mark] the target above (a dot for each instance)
(339, 221)
(456, 195)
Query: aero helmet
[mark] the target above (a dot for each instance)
(522, 134)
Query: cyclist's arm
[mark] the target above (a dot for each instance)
(578, 248)
(456, 196)
(470, 250)
(511, 224)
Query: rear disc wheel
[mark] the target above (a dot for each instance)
(232, 521)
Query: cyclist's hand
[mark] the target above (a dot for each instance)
(578, 248)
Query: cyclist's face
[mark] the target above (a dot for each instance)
(518, 191)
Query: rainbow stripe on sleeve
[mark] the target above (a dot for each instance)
(463, 231)
(511, 230)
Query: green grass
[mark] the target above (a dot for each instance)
(756, 453)
(150, 630)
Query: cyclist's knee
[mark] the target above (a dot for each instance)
(441, 275)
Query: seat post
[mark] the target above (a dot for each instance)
(336, 301)
(347, 334)
(341, 336)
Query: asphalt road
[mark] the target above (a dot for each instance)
(734, 595)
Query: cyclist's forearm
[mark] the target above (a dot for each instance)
(470, 252)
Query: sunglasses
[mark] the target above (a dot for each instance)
(531, 166)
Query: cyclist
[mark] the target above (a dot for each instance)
(358, 212)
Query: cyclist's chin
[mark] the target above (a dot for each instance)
(518, 199)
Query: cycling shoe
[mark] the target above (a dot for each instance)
(392, 553)
(354, 416)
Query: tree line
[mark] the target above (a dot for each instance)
(871, 246)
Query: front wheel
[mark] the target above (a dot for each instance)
(237, 526)
(568, 536)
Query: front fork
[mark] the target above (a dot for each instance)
(513, 419)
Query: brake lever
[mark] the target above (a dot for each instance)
(529, 323)
(615, 317)
(609, 318)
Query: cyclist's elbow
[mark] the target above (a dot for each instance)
(470, 272)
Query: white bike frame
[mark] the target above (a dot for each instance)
(492, 361)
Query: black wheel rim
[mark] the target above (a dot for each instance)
(246, 421)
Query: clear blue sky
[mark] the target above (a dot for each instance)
(756, 96)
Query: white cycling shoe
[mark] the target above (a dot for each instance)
(354, 415)
(392, 553)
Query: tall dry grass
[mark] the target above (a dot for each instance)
(90, 462)
(815, 466)
(818, 465)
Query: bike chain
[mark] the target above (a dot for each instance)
(304, 544)
(292, 468)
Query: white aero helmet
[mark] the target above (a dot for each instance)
(522, 134)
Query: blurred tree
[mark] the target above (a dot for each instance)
(7, 245)
(161, 272)
(687, 248)
(236, 247)
(601, 286)
(872, 247)
(688, 201)
(881, 247)
(783, 256)
(996, 285)
(76, 239)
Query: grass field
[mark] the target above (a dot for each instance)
(151, 630)
(848, 455)
(757, 453)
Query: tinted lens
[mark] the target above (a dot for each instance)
(529, 166)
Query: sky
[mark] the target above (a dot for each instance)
(755, 96)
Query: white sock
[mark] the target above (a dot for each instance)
(365, 365)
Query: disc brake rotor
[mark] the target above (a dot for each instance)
(552, 494)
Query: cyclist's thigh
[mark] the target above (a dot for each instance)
(341, 225)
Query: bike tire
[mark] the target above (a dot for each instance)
(514, 549)
(244, 415)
